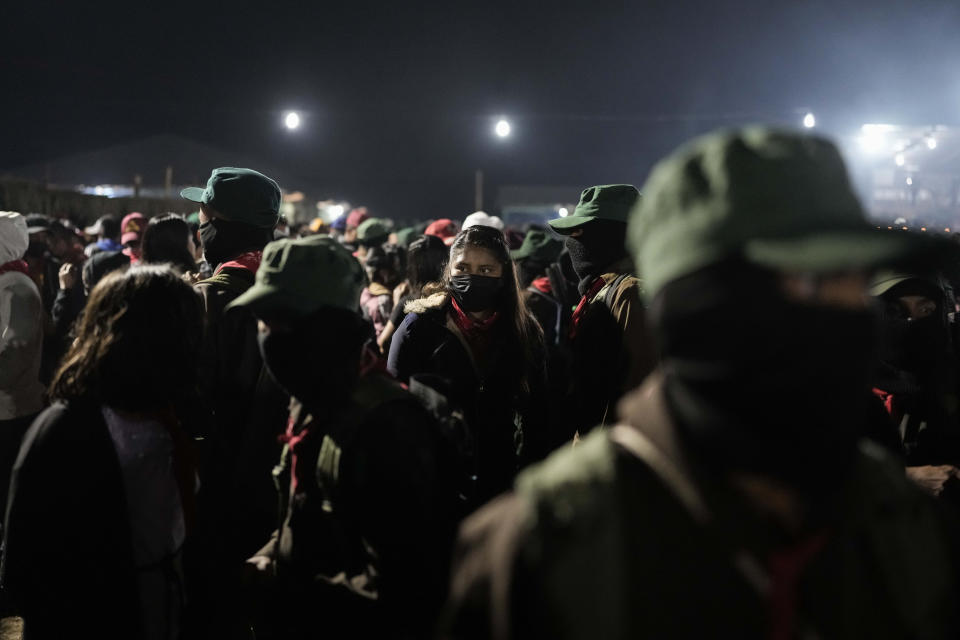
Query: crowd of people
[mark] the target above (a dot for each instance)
(728, 407)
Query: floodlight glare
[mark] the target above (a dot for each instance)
(931, 143)
(909, 182)
(899, 159)
(809, 121)
(563, 212)
(502, 129)
(291, 120)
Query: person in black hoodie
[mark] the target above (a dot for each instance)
(474, 330)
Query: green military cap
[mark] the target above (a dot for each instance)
(372, 231)
(604, 202)
(240, 195)
(538, 245)
(781, 200)
(303, 275)
(884, 281)
(407, 235)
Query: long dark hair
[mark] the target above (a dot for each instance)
(137, 342)
(426, 258)
(524, 331)
(165, 241)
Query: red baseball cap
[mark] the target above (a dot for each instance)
(132, 227)
(444, 228)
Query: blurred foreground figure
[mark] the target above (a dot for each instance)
(735, 499)
(102, 493)
(366, 522)
(21, 343)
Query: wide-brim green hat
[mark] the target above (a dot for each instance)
(303, 275)
(603, 202)
(777, 199)
(538, 245)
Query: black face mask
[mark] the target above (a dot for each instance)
(913, 345)
(764, 385)
(601, 244)
(223, 240)
(476, 293)
(316, 361)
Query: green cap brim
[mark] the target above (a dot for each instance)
(568, 224)
(261, 297)
(519, 254)
(194, 194)
(850, 250)
(884, 282)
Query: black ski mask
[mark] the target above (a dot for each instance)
(475, 292)
(601, 244)
(760, 384)
(916, 345)
(317, 359)
(223, 240)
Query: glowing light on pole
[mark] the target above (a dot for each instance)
(292, 120)
(900, 159)
(502, 128)
(809, 121)
(931, 143)
(563, 211)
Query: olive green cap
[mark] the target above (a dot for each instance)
(240, 195)
(406, 235)
(779, 199)
(606, 202)
(303, 275)
(538, 245)
(373, 230)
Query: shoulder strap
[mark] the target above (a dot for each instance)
(610, 293)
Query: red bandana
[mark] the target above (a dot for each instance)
(249, 261)
(469, 326)
(581, 309)
(542, 285)
(15, 265)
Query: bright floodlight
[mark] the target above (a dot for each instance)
(563, 212)
(336, 210)
(809, 121)
(291, 120)
(909, 182)
(502, 129)
(873, 138)
(931, 143)
(900, 159)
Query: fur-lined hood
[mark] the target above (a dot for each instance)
(433, 302)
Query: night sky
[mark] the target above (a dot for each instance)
(400, 99)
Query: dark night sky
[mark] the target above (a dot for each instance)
(400, 97)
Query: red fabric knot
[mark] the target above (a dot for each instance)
(581, 309)
(249, 261)
(16, 265)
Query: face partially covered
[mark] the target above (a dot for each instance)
(475, 261)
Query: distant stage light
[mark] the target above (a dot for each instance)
(502, 128)
(931, 143)
(909, 182)
(291, 120)
(809, 121)
(563, 212)
(336, 211)
(900, 159)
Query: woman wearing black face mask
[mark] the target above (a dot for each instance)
(474, 330)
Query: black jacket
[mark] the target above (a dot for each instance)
(501, 415)
(67, 554)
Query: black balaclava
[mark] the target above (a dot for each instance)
(761, 384)
(601, 244)
(917, 345)
(476, 292)
(317, 359)
(223, 240)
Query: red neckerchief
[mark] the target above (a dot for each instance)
(889, 403)
(785, 568)
(469, 326)
(16, 265)
(249, 261)
(581, 309)
(542, 285)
